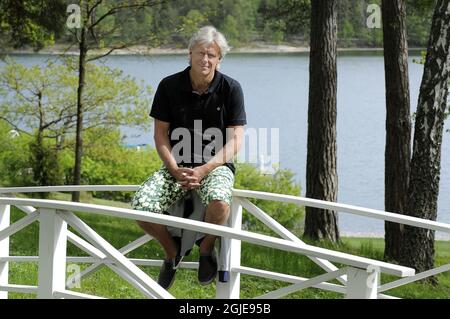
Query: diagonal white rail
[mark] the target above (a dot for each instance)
(124, 250)
(20, 224)
(74, 239)
(284, 233)
(288, 278)
(303, 285)
(143, 280)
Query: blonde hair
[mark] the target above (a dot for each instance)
(207, 36)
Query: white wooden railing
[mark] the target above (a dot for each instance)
(358, 278)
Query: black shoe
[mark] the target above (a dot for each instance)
(167, 274)
(168, 269)
(207, 269)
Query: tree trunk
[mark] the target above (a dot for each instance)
(39, 159)
(38, 153)
(79, 133)
(321, 171)
(418, 244)
(398, 120)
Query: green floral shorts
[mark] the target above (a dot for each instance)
(161, 190)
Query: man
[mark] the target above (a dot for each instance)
(193, 103)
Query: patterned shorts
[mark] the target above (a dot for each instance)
(161, 190)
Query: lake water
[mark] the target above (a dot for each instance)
(276, 94)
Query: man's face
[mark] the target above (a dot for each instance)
(205, 58)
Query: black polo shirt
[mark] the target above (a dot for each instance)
(221, 106)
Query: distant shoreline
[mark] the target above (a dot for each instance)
(143, 50)
(353, 234)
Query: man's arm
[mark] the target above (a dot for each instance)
(162, 144)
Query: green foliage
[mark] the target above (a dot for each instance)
(189, 24)
(348, 30)
(44, 98)
(31, 22)
(230, 29)
(284, 19)
(289, 215)
(242, 21)
(418, 19)
(114, 24)
(245, 14)
(44, 162)
(15, 166)
(41, 101)
(352, 21)
(107, 162)
(274, 31)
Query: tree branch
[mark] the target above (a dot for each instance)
(46, 125)
(107, 53)
(129, 6)
(75, 33)
(91, 10)
(15, 126)
(104, 33)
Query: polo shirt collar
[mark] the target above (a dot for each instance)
(187, 86)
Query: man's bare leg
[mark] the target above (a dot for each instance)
(217, 213)
(162, 235)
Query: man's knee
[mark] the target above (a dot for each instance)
(218, 209)
(219, 205)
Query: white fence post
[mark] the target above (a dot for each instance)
(52, 253)
(4, 249)
(231, 289)
(362, 283)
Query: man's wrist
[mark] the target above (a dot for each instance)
(210, 166)
(172, 168)
(206, 168)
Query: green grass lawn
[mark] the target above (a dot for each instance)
(120, 232)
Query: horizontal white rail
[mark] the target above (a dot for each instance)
(356, 210)
(68, 294)
(24, 289)
(347, 259)
(294, 280)
(419, 276)
(302, 201)
(69, 188)
(90, 260)
(287, 278)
